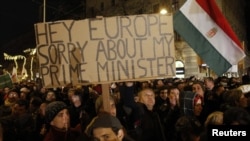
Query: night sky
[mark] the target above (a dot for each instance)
(17, 18)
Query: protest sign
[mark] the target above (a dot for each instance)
(105, 49)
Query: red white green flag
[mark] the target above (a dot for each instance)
(206, 30)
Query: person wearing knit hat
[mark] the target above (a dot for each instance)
(105, 124)
(57, 116)
(191, 103)
(52, 109)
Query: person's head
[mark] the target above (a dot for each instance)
(50, 96)
(42, 109)
(147, 97)
(188, 128)
(223, 80)
(158, 83)
(6, 90)
(99, 107)
(163, 92)
(173, 100)
(144, 84)
(35, 103)
(12, 97)
(236, 116)
(175, 91)
(219, 89)
(180, 85)
(77, 98)
(105, 127)
(209, 83)
(198, 88)
(191, 103)
(233, 82)
(57, 115)
(20, 107)
(214, 118)
(235, 97)
(24, 92)
(43, 90)
(70, 93)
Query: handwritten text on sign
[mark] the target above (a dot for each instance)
(105, 49)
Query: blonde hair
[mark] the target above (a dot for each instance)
(99, 102)
(214, 118)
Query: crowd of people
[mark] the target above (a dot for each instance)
(170, 109)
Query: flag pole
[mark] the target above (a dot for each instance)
(44, 10)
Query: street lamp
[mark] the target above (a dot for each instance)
(163, 11)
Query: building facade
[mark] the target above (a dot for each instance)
(194, 66)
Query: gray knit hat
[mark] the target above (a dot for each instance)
(104, 120)
(53, 109)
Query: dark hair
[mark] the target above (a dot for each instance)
(171, 88)
(236, 115)
(232, 96)
(245, 79)
(36, 101)
(186, 126)
(162, 88)
(115, 130)
(22, 102)
(200, 83)
(80, 93)
(14, 90)
(209, 78)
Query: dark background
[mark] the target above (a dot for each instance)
(19, 16)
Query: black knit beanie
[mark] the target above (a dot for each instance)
(53, 109)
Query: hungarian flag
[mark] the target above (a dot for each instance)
(202, 25)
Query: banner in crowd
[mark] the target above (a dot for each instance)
(105, 49)
(5, 81)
